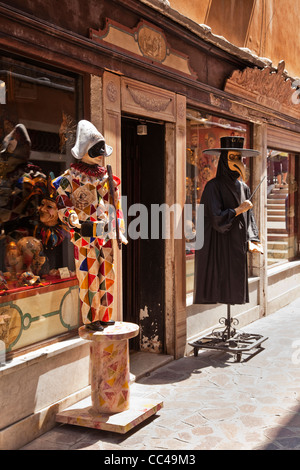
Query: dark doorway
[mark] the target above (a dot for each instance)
(143, 182)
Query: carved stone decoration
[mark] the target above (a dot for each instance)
(148, 102)
(215, 100)
(266, 87)
(181, 109)
(152, 44)
(111, 91)
(146, 42)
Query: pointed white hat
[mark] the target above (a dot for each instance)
(86, 137)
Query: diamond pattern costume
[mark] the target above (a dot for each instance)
(84, 189)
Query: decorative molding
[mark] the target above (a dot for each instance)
(111, 91)
(152, 43)
(276, 136)
(181, 111)
(147, 100)
(146, 42)
(266, 87)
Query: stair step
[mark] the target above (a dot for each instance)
(278, 245)
(277, 235)
(276, 202)
(277, 231)
(276, 198)
(278, 254)
(271, 262)
(276, 227)
(275, 214)
(276, 218)
(276, 209)
(275, 240)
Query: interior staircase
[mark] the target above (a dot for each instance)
(276, 225)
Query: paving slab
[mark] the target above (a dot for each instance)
(212, 402)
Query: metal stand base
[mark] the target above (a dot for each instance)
(229, 340)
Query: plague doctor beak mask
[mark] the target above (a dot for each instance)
(235, 163)
(89, 141)
(235, 152)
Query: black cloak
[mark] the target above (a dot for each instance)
(221, 271)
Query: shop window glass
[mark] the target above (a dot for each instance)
(203, 132)
(37, 279)
(282, 206)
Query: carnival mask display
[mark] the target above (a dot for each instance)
(13, 259)
(15, 147)
(31, 250)
(48, 212)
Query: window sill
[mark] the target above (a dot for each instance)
(283, 267)
(29, 291)
(30, 358)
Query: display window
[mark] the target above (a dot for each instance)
(38, 118)
(282, 206)
(204, 132)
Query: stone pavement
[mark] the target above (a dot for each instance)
(212, 402)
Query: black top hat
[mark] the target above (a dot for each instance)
(235, 143)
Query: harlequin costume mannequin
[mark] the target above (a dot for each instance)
(221, 271)
(83, 205)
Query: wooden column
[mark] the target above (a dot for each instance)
(170, 152)
(179, 243)
(260, 262)
(111, 104)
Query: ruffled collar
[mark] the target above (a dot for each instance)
(50, 236)
(91, 170)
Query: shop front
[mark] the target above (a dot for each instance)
(52, 76)
(265, 111)
(161, 90)
(38, 287)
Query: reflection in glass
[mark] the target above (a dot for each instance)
(37, 120)
(281, 207)
(38, 112)
(204, 132)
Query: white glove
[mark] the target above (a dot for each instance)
(73, 219)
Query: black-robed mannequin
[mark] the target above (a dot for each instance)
(221, 265)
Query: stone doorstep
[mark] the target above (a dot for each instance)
(143, 363)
